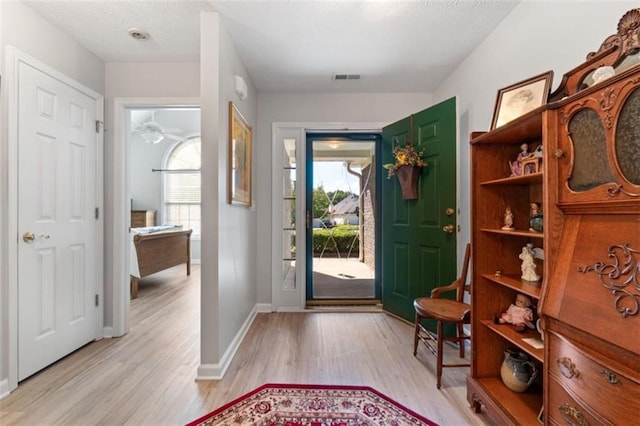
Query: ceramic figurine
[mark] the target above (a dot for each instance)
(528, 265)
(508, 220)
(516, 166)
(535, 223)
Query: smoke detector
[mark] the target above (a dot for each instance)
(139, 34)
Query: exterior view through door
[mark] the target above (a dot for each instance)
(341, 219)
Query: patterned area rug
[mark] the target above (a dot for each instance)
(312, 405)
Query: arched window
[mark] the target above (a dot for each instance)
(182, 185)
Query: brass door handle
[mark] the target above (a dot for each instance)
(449, 229)
(30, 237)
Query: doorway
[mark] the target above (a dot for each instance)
(164, 170)
(341, 206)
(122, 204)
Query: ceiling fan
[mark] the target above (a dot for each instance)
(152, 132)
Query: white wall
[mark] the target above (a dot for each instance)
(34, 36)
(535, 37)
(146, 186)
(22, 29)
(228, 253)
(312, 108)
(136, 81)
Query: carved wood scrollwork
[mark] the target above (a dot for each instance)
(627, 37)
(566, 113)
(615, 189)
(607, 101)
(621, 276)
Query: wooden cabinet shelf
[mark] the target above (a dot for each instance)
(528, 179)
(508, 332)
(527, 128)
(532, 289)
(516, 232)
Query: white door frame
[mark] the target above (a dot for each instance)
(295, 300)
(14, 57)
(121, 195)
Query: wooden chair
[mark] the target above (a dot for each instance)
(444, 310)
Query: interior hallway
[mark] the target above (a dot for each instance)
(147, 376)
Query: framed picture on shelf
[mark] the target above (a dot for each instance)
(240, 150)
(520, 98)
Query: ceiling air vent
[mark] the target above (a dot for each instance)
(347, 77)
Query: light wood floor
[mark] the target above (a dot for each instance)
(147, 376)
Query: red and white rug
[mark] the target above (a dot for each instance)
(312, 405)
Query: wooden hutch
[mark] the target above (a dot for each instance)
(589, 296)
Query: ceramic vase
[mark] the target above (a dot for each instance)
(517, 371)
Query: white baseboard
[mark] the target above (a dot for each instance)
(4, 388)
(216, 371)
(263, 308)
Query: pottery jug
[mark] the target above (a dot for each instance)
(517, 371)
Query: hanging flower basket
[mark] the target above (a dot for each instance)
(408, 178)
(407, 165)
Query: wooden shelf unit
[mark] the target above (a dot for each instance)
(496, 266)
(588, 299)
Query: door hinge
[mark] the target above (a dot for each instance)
(97, 212)
(99, 125)
(97, 300)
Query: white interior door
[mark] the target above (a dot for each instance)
(57, 281)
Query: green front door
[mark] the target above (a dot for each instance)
(418, 254)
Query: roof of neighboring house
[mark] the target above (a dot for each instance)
(346, 206)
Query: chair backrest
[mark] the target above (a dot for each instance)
(459, 284)
(462, 279)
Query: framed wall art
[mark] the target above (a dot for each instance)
(240, 152)
(520, 98)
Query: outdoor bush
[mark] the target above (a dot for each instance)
(341, 239)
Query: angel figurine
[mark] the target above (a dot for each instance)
(528, 265)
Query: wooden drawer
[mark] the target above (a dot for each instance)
(565, 410)
(603, 389)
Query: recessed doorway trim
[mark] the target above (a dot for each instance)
(283, 300)
(120, 213)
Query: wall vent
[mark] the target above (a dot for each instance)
(346, 77)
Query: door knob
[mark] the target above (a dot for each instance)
(30, 237)
(449, 229)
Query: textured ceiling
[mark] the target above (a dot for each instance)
(294, 46)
